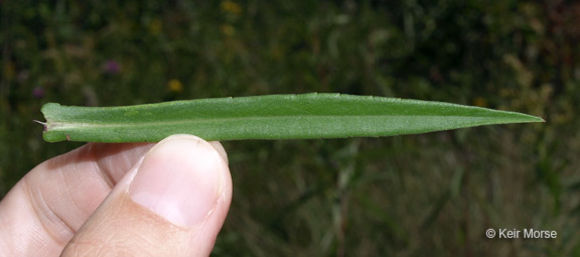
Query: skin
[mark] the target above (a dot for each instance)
(164, 199)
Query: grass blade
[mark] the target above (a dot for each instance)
(266, 117)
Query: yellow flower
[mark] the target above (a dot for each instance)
(231, 7)
(175, 85)
(480, 101)
(228, 30)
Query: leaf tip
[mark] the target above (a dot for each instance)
(532, 118)
(517, 117)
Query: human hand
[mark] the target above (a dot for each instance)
(168, 199)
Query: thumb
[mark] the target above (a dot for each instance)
(173, 203)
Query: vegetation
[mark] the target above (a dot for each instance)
(421, 195)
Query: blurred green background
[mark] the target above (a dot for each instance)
(421, 195)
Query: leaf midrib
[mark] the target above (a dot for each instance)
(56, 125)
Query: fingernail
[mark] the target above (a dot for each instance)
(220, 149)
(179, 180)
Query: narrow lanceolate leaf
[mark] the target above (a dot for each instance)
(266, 117)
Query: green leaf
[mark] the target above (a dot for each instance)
(266, 117)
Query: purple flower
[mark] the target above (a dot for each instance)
(111, 67)
(38, 92)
